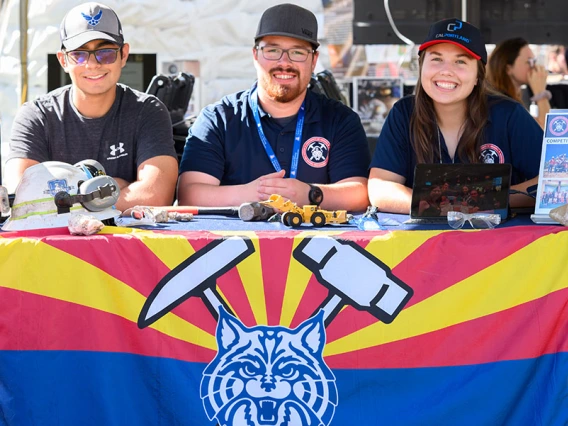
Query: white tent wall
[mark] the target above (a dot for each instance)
(217, 33)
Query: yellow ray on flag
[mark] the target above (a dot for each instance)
(393, 247)
(385, 247)
(250, 271)
(170, 249)
(296, 283)
(111, 230)
(503, 285)
(41, 269)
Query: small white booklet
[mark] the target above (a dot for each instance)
(553, 175)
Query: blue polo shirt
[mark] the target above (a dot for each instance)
(511, 136)
(224, 142)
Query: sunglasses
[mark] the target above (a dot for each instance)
(105, 56)
(456, 220)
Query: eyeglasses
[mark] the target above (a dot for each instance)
(105, 56)
(297, 54)
(456, 220)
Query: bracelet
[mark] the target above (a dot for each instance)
(545, 94)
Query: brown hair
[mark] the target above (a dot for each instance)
(424, 126)
(504, 54)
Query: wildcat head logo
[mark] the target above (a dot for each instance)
(273, 375)
(269, 375)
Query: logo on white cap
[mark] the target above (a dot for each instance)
(93, 20)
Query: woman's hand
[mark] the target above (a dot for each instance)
(537, 79)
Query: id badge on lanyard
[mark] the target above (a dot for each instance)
(267, 148)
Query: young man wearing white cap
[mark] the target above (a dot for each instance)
(278, 137)
(96, 117)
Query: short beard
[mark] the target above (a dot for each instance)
(281, 93)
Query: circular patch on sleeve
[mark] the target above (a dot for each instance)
(491, 154)
(315, 152)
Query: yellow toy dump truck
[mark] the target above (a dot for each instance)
(294, 216)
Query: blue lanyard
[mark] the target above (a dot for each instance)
(266, 144)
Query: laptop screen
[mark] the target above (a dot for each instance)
(467, 188)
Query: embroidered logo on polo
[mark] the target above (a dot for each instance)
(558, 126)
(315, 152)
(491, 154)
(117, 151)
(93, 20)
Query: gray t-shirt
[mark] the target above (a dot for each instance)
(136, 128)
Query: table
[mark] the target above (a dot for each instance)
(130, 327)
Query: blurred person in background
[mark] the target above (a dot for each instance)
(512, 65)
(557, 60)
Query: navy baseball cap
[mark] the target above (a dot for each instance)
(87, 22)
(289, 20)
(457, 32)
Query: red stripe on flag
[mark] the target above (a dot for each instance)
(442, 261)
(142, 273)
(33, 322)
(233, 290)
(114, 254)
(39, 234)
(313, 297)
(275, 254)
(529, 330)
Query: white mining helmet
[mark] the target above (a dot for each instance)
(49, 192)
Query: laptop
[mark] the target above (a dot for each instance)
(552, 189)
(467, 188)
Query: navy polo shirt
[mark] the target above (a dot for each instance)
(511, 136)
(224, 142)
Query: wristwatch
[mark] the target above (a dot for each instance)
(315, 195)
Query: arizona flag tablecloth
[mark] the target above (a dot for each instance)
(284, 328)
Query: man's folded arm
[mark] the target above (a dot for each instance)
(348, 194)
(202, 189)
(154, 186)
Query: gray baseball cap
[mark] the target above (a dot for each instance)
(87, 22)
(288, 20)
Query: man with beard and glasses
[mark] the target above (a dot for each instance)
(128, 132)
(278, 137)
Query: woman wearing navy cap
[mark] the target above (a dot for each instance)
(452, 118)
